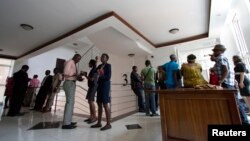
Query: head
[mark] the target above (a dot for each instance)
(218, 49)
(147, 63)
(56, 70)
(212, 57)
(134, 68)
(236, 59)
(35, 76)
(173, 57)
(77, 58)
(25, 68)
(92, 63)
(160, 68)
(104, 58)
(47, 72)
(191, 58)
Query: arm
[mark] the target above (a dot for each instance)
(224, 74)
(241, 84)
(107, 73)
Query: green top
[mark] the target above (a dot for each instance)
(149, 74)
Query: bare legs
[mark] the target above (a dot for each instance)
(107, 113)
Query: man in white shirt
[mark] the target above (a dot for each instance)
(69, 86)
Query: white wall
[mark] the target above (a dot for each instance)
(46, 61)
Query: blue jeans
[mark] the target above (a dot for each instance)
(243, 115)
(150, 98)
(141, 99)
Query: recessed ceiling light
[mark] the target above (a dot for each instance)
(75, 44)
(131, 55)
(1, 49)
(27, 27)
(173, 30)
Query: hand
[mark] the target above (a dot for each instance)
(241, 85)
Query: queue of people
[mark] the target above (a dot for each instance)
(21, 90)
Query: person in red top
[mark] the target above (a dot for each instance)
(8, 90)
(214, 79)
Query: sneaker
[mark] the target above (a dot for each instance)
(155, 114)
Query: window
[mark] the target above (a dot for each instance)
(240, 41)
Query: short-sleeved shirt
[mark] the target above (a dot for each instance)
(149, 74)
(223, 61)
(239, 67)
(170, 68)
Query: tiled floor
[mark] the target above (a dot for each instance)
(17, 129)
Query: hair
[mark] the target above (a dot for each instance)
(105, 54)
(147, 62)
(237, 58)
(77, 55)
(172, 56)
(134, 67)
(35, 76)
(25, 67)
(191, 57)
(92, 62)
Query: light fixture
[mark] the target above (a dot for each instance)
(75, 44)
(131, 55)
(173, 30)
(1, 49)
(27, 27)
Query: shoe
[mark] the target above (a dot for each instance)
(73, 123)
(155, 114)
(92, 121)
(96, 125)
(106, 127)
(20, 114)
(141, 111)
(68, 127)
(87, 120)
(46, 111)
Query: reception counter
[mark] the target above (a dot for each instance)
(186, 113)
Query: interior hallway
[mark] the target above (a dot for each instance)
(18, 129)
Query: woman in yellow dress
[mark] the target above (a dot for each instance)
(191, 73)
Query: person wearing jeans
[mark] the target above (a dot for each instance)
(148, 75)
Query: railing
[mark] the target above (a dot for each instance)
(123, 101)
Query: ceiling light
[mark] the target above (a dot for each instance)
(131, 55)
(27, 27)
(75, 44)
(173, 30)
(1, 49)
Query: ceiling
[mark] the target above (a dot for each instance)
(119, 26)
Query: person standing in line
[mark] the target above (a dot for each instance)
(240, 76)
(45, 89)
(92, 84)
(21, 81)
(226, 78)
(56, 82)
(171, 68)
(8, 91)
(103, 92)
(192, 73)
(69, 86)
(31, 91)
(137, 87)
(149, 76)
